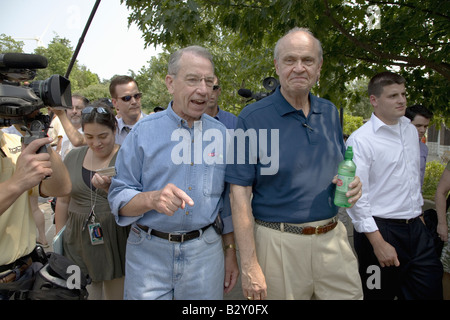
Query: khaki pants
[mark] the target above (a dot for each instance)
(308, 266)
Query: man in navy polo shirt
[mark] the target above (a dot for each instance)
(290, 242)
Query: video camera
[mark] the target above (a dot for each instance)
(21, 103)
(269, 83)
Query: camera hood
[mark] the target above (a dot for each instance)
(270, 83)
(18, 101)
(54, 92)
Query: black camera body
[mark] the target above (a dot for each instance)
(21, 103)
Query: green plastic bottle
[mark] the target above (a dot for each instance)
(346, 174)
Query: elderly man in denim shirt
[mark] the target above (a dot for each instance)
(170, 187)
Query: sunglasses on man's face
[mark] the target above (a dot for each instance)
(136, 96)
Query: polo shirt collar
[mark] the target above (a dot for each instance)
(219, 114)
(284, 107)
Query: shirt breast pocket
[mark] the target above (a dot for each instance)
(213, 179)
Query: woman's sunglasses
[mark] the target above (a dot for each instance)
(90, 109)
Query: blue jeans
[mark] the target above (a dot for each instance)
(158, 269)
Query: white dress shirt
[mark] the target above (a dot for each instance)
(387, 161)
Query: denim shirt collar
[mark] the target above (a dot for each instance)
(179, 122)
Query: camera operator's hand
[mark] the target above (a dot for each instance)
(30, 170)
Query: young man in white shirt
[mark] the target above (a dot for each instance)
(394, 249)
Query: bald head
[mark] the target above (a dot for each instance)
(306, 33)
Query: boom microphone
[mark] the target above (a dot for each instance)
(15, 60)
(246, 93)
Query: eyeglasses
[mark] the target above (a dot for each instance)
(136, 96)
(90, 109)
(216, 87)
(193, 81)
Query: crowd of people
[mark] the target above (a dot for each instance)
(151, 204)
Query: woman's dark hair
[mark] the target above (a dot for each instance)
(99, 112)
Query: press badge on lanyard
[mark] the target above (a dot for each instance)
(95, 229)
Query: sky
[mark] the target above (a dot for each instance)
(110, 46)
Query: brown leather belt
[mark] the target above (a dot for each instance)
(175, 237)
(307, 230)
(16, 272)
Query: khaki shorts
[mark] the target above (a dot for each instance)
(308, 266)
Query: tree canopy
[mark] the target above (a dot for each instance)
(59, 52)
(359, 38)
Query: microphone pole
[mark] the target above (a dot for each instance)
(80, 42)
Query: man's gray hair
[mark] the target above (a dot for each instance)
(175, 57)
(298, 29)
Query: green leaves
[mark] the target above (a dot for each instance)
(8, 44)
(59, 54)
(412, 38)
(433, 173)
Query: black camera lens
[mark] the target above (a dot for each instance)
(54, 91)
